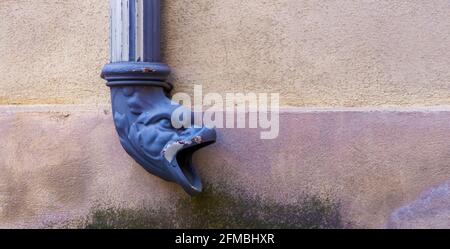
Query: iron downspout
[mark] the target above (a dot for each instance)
(139, 93)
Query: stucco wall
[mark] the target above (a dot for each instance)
(315, 53)
(58, 160)
(59, 163)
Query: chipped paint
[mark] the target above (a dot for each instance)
(430, 210)
(197, 139)
(171, 150)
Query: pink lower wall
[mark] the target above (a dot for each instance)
(58, 163)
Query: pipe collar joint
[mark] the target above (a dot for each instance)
(137, 73)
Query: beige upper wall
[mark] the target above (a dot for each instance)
(315, 53)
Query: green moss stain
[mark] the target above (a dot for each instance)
(218, 209)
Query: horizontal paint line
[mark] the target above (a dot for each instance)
(94, 108)
(52, 108)
(406, 109)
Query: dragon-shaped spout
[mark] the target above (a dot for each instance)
(142, 115)
(141, 107)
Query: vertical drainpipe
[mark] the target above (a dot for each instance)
(135, 31)
(139, 94)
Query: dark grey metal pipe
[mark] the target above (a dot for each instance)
(135, 30)
(139, 89)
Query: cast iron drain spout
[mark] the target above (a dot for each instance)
(139, 93)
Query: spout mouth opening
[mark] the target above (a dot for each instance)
(185, 172)
(184, 160)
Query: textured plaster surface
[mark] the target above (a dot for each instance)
(429, 211)
(315, 53)
(52, 51)
(59, 162)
